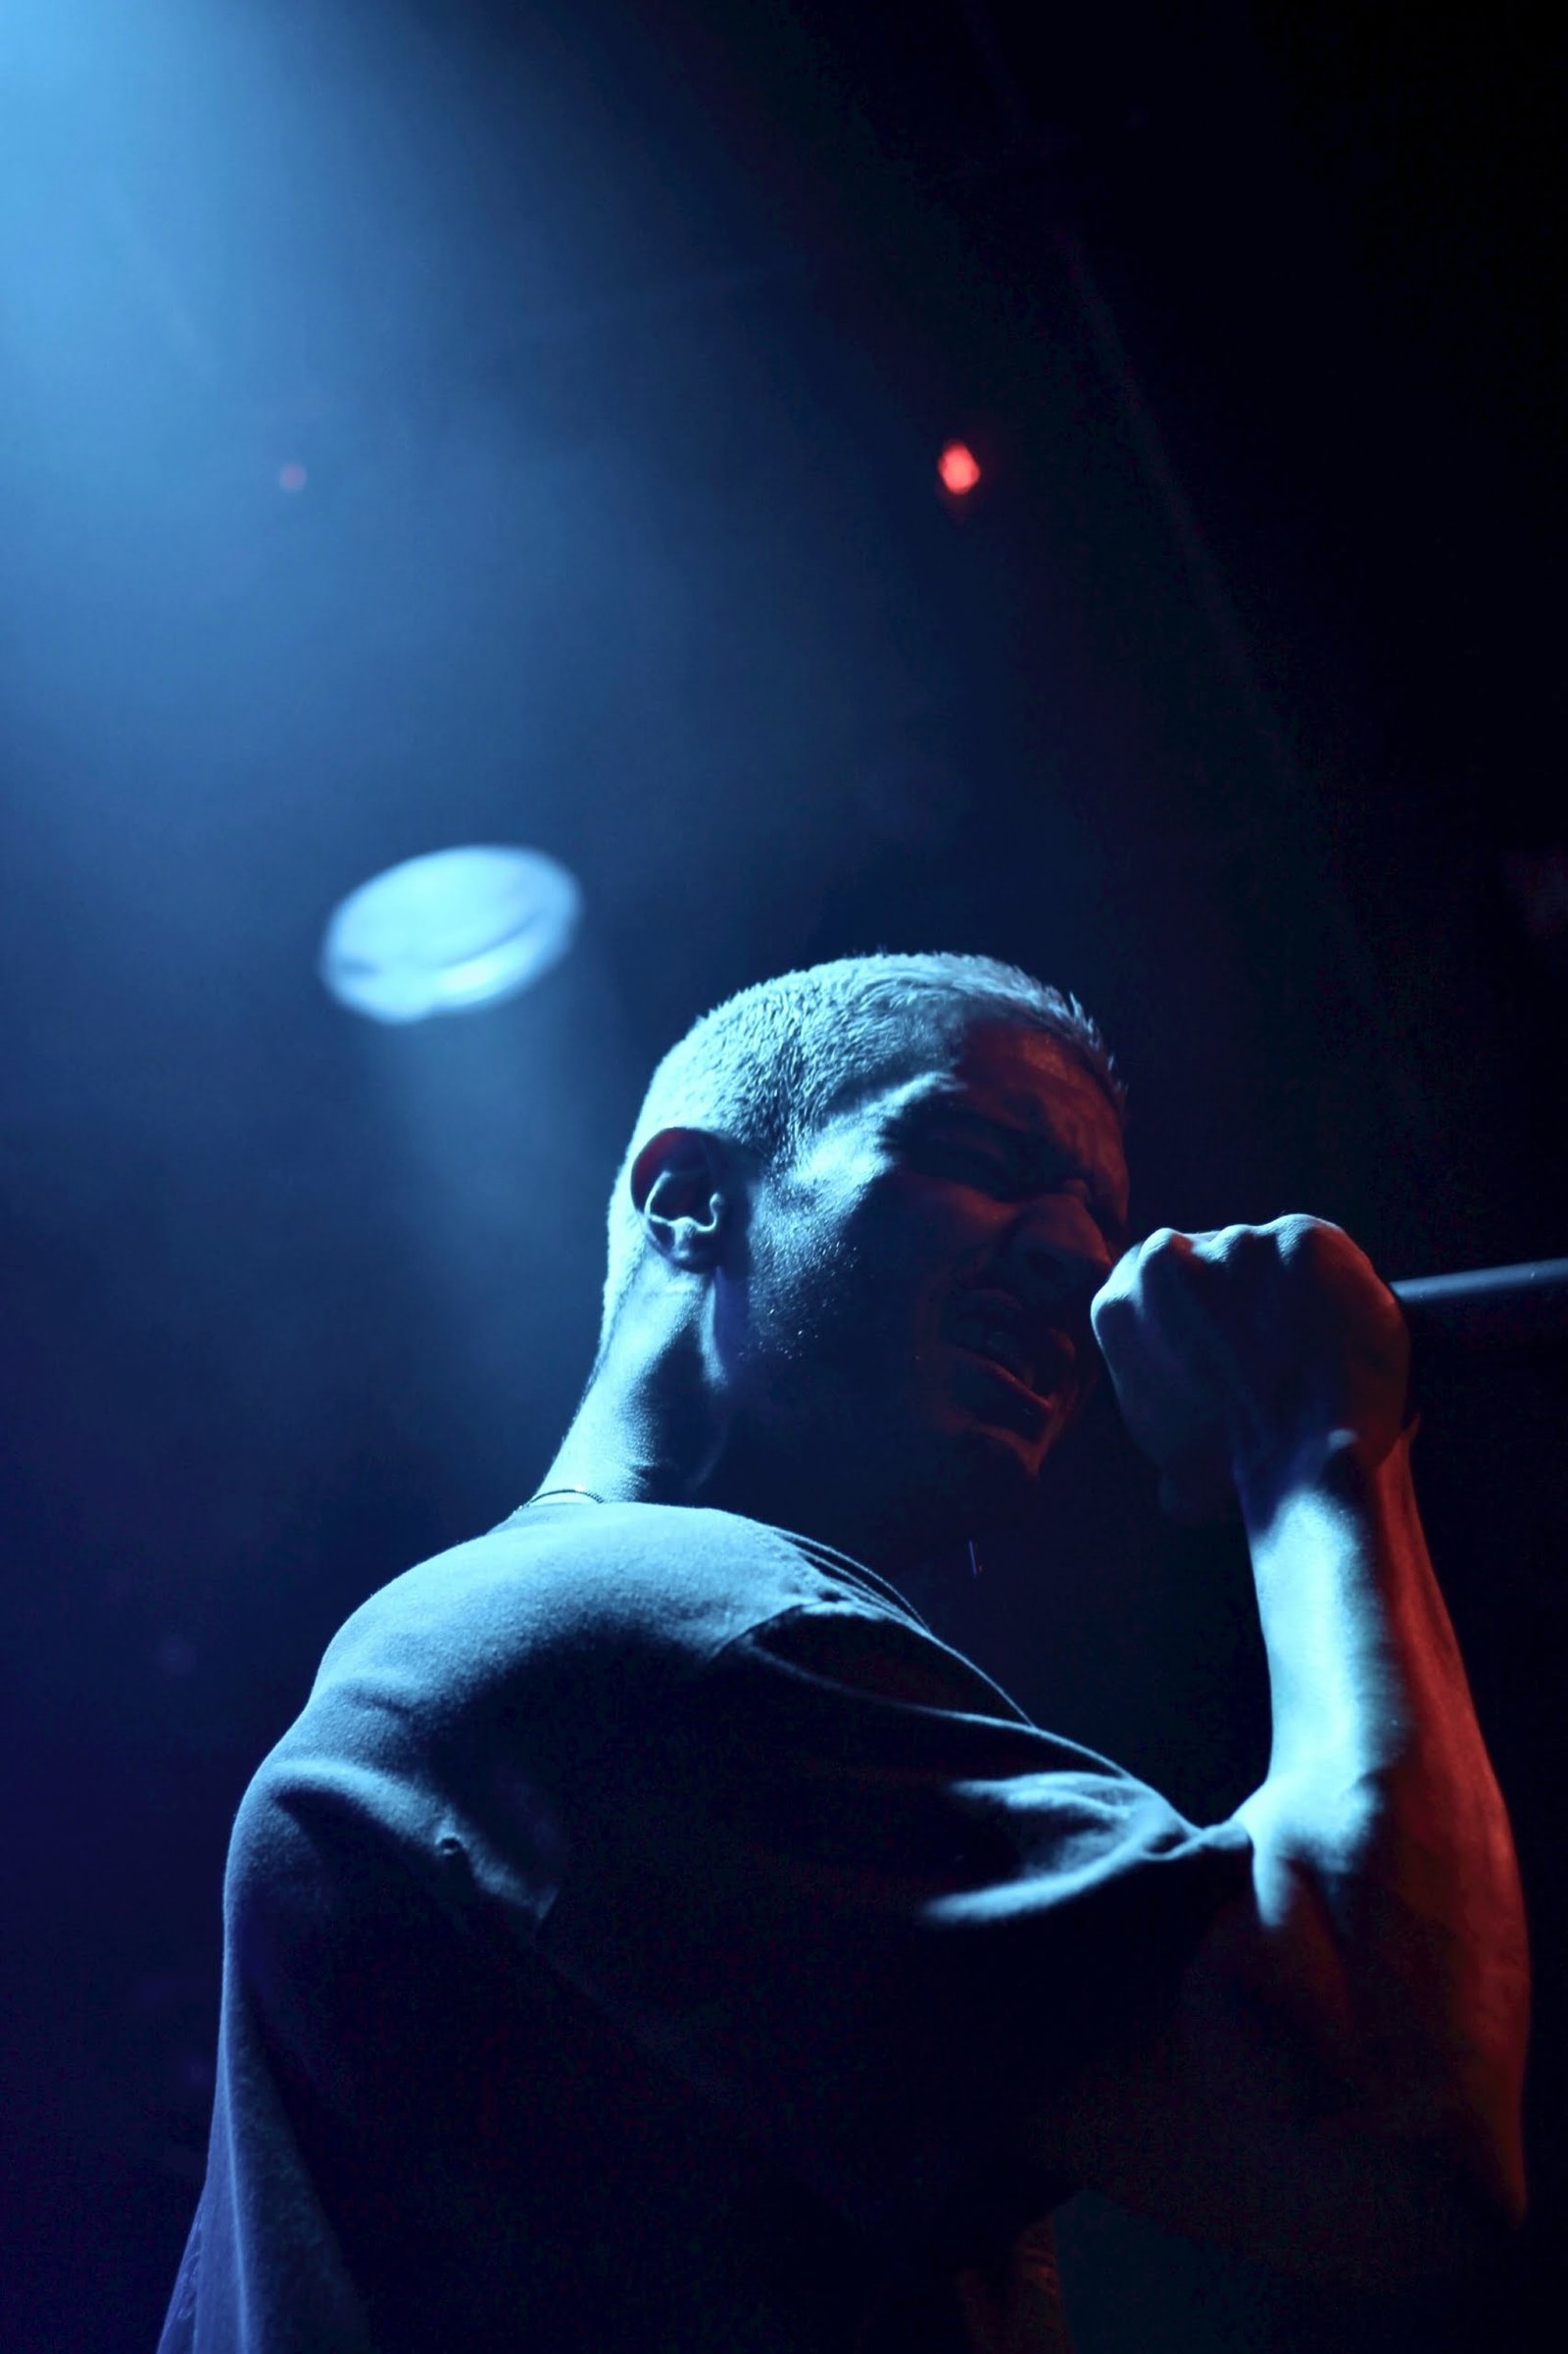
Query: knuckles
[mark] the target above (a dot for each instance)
(1227, 1270)
(1294, 1241)
(1222, 1342)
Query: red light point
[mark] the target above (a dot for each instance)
(958, 468)
(291, 476)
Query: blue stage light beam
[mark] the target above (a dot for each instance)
(450, 931)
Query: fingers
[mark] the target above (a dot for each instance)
(1149, 1323)
(1226, 1346)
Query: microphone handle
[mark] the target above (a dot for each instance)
(1487, 1308)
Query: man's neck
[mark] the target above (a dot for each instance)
(622, 1449)
(647, 1432)
(644, 1432)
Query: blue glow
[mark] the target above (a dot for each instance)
(450, 931)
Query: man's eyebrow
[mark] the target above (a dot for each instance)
(947, 1098)
(942, 1107)
(932, 1109)
(945, 1111)
(946, 1105)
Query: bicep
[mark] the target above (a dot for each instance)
(1212, 2113)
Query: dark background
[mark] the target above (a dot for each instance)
(618, 345)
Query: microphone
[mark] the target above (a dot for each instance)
(1486, 1308)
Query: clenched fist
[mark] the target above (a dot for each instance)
(1235, 1354)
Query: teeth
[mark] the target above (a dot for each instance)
(1004, 1348)
(1006, 1352)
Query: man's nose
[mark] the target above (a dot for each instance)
(1063, 1251)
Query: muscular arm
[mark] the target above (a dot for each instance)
(1336, 2087)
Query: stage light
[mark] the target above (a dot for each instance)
(958, 468)
(452, 930)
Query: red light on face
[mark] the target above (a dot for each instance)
(958, 468)
(292, 476)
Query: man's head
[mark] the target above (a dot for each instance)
(876, 1198)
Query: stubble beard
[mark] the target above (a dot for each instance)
(865, 1410)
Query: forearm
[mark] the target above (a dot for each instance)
(1385, 1866)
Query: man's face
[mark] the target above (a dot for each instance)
(911, 1330)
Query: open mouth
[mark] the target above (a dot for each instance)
(1041, 1361)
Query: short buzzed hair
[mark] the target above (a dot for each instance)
(767, 1068)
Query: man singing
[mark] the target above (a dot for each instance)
(652, 1939)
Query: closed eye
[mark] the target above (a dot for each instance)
(966, 1150)
(982, 1168)
(1005, 1180)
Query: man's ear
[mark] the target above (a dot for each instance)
(683, 1185)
